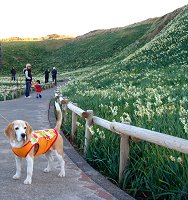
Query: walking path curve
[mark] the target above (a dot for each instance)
(81, 182)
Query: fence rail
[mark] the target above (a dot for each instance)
(18, 91)
(14, 92)
(126, 131)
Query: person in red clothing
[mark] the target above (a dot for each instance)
(38, 89)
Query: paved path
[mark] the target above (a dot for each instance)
(76, 185)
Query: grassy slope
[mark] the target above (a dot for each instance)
(69, 54)
(104, 46)
(168, 47)
(95, 47)
(38, 53)
(150, 87)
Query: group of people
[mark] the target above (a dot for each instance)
(38, 87)
(54, 75)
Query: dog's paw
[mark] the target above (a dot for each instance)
(27, 181)
(46, 170)
(61, 174)
(16, 176)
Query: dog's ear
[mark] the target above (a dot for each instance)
(9, 130)
(28, 128)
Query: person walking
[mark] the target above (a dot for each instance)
(54, 75)
(13, 74)
(46, 73)
(28, 77)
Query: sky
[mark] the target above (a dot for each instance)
(37, 18)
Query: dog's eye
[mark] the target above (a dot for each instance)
(25, 127)
(16, 128)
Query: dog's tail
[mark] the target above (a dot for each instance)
(59, 117)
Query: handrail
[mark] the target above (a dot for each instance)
(154, 137)
(14, 91)
(102, 122)
(126, 131)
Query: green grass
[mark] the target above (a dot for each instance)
(18, 54)
(98, 47)
(149, 87)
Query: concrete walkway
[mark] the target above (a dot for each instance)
(81, 182)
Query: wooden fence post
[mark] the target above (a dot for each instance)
(124, 154)
(89, 122)
(4, 95)
(16, 93)
(12, 94)
(65, 108)
(19, 92)
(74, 125)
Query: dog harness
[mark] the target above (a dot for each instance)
(43, 138)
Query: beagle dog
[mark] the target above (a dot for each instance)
(28, 144)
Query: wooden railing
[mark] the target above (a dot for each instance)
(18, 91)
(125, 131)
(14, 92)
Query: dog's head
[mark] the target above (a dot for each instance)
(18, 131)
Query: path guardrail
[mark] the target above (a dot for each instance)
(18, 91)
(125, 131)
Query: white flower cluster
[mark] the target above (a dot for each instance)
(179, 159)
(184, 114)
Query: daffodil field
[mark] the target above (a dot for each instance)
(144, 99)
(148, 89)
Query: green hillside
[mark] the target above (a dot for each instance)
(38, 53)
(133, 74)
(168, 47)
(147, 88)
(100, 46)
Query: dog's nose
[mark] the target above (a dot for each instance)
(23, 135)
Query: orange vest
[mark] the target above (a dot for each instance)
(43, 138)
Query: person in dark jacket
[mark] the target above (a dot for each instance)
(13, 73)
(46, 75)
(28, 78)
(54, 75)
